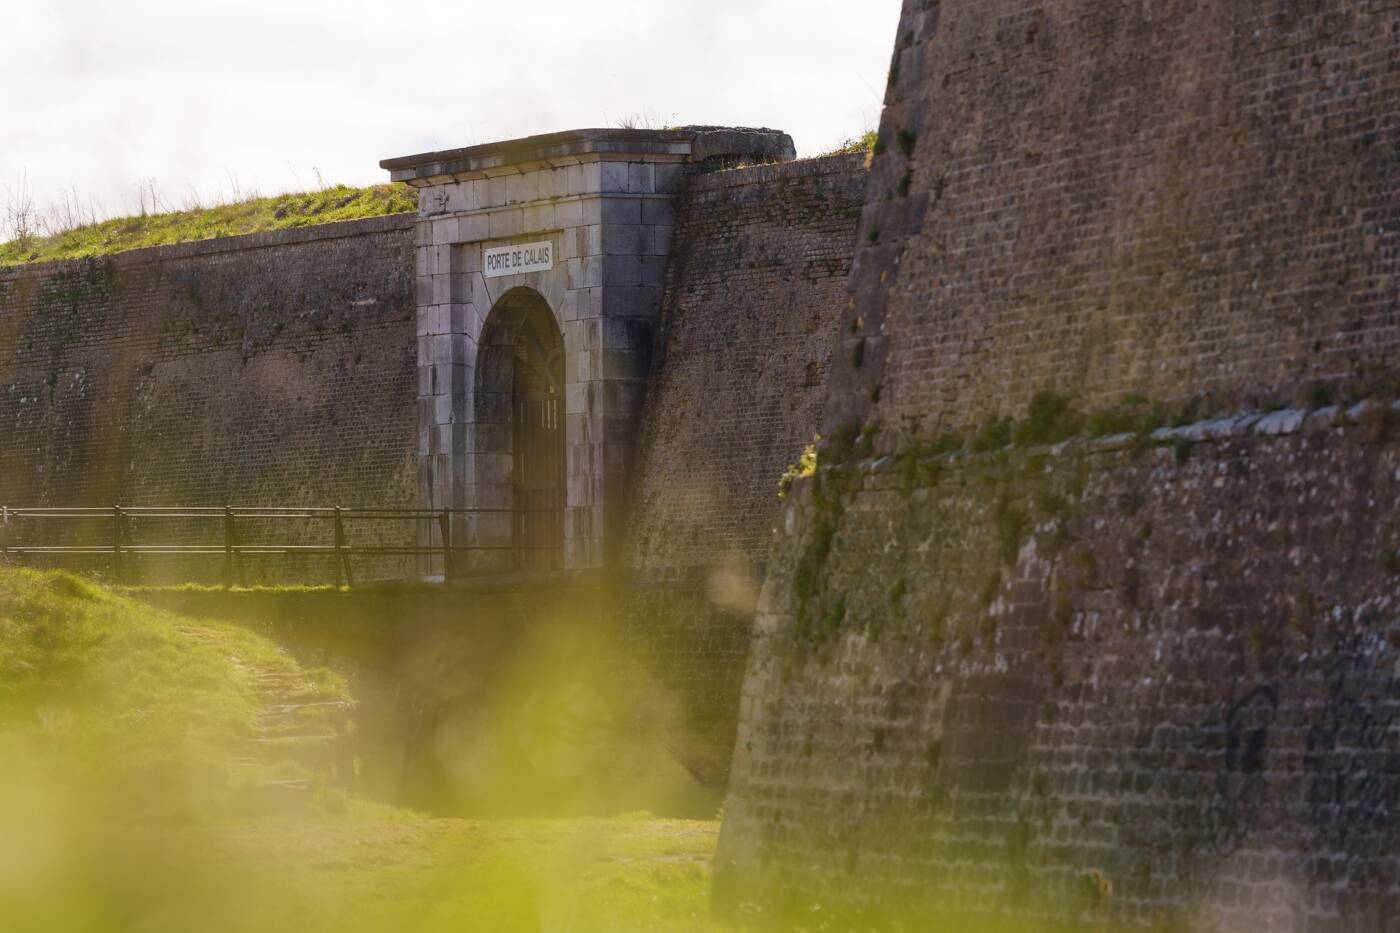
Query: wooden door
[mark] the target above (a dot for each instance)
(538, 461)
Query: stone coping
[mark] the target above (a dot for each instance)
(1279, 423)
(820, 166)
(551, 150)
(191, 249)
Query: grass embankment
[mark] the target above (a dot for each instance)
(414, 874)
(127, 734)
(114, 699)
(281, 212)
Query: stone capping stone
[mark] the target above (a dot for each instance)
(267, 239)
(1278, 423)
(514, 156)
(840, 164)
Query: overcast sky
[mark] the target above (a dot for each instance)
(210, 96)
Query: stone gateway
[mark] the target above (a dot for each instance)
(605, 201)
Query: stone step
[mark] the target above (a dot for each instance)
(305, 711)
(320, 749)
(299, 729)
(294, 730)
(266, 798)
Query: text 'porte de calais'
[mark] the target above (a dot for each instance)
(515, 260)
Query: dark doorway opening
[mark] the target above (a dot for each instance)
(521, 449)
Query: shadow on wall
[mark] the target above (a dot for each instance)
(523, 702)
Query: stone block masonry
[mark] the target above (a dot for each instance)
(1067, 686)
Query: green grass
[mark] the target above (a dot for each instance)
(123, 729)
(864, 143)
(282, 212)
(115, 705)
(404, 873)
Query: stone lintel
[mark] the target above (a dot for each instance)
(687, 144)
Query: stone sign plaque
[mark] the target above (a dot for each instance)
(514, 260)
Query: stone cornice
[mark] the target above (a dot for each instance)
(686, 144)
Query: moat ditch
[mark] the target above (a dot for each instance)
(475, 702)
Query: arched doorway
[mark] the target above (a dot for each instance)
(520, 432)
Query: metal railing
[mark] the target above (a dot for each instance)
(226, 533)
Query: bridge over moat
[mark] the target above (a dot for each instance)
(284, 545)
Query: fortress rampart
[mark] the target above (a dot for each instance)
(1171, 199)
(267, 369)
(755, 292)
(1026, 653)
(289, 368)
(1087, 612)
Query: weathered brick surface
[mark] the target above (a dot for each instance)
(1046, 664)
(694, 650)
(756, 287)
(1171, 198)
(271, 369)
(1100, 685)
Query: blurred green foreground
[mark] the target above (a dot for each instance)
(163, 774)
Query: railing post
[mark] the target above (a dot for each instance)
(228, 547)
(343, 573)
(118, 523)
(5, 533)
(445, 523)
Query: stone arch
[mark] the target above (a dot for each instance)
(519, 449)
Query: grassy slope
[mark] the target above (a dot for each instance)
(276, 213)
(413, 874)
(130, 701)
(121, 729)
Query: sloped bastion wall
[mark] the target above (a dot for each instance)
(1106, 681)
(1007, 668)
(1170, 198)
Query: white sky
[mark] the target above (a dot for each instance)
(100, 96)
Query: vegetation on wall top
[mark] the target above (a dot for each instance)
(255, 215)
(863, 143)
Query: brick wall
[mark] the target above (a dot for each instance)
(756, 286)
(270, 369)
(1100, 682)
(1170, 198)
(1146, 682)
